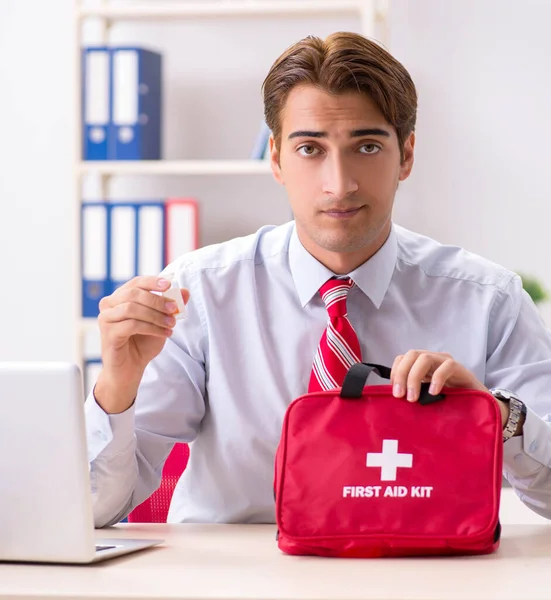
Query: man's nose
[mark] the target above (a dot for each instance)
(338, 178)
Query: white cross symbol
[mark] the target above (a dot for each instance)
(389, 460)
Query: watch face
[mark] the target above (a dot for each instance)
(502, 394)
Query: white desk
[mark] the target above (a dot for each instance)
(233, 562)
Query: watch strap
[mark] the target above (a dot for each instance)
(516, 410)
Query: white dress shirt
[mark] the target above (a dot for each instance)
(226, 376)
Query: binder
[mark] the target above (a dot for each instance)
(122, 244)
(96, 102)
(92, 367)
(94, 256)
(151, 242)
(135, 129)
(136, 240)
(261, 146)
(181, 227)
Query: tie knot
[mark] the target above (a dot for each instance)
(334, 293)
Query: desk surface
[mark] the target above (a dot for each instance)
(232, 562)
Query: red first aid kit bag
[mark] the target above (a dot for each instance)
(360, 473)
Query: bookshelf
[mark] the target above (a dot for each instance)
(175, 167)
(371, 16)
(224, 8)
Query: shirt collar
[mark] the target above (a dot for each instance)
(372, 277)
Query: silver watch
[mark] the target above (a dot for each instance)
(517, 408)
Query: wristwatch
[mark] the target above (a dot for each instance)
(517, 408)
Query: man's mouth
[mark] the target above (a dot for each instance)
(343, 213)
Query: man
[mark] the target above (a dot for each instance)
(342, 114)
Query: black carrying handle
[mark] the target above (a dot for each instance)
(355, 380)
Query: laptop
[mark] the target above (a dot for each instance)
(45, 494)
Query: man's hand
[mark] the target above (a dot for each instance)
(134, 326)
(418, 366)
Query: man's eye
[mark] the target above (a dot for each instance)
(307, 150)
(370, 148)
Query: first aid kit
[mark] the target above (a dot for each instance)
(360, 473)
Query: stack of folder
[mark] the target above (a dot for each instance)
(123, 239)
(122, 103)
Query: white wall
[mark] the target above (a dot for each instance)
(36, 301)
(479, 180)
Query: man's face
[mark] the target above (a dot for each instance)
(340, 163)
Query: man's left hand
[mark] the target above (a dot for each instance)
(440, 369)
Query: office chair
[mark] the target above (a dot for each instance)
(155, 508)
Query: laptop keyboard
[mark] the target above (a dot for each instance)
(100, 547)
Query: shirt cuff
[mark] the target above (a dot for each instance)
(107, 433)
(525, 454)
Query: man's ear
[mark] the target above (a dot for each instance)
(274, 161)
(407, 162)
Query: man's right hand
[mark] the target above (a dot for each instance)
(134, 325)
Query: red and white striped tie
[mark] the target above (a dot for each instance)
(339, 347)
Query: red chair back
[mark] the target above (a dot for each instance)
(155, 508)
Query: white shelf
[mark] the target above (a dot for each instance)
(87, 324)
(175, 167)
(224, 8)
(370, 14)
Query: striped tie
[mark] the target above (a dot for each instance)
(339, 347)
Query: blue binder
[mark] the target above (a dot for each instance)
(261, 146)
(92, 367)
(96, 102)
(136, 98)
(136, 240)
(94, 256)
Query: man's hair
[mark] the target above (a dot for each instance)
(343, 62)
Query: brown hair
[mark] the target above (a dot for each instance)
(343, 62)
